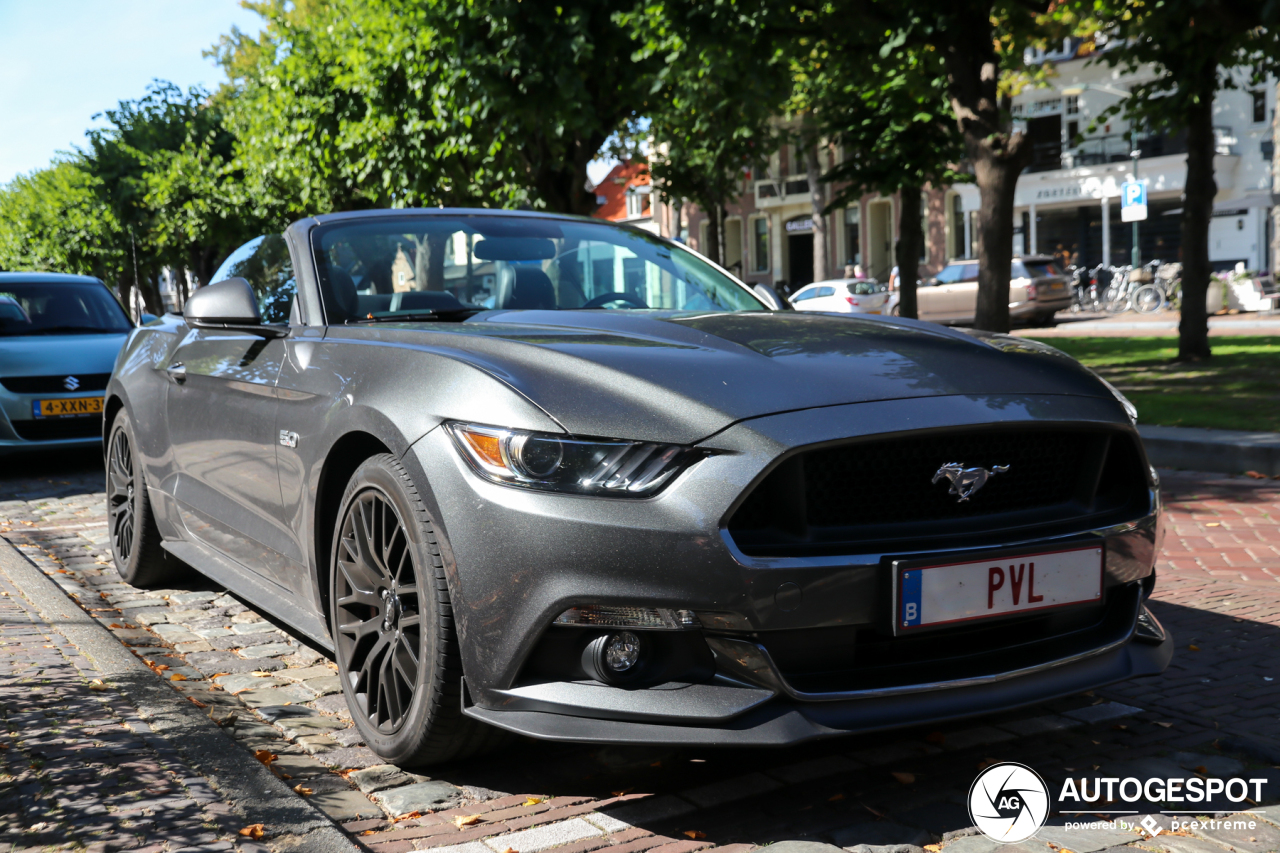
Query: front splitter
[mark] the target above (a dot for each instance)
(783, 722)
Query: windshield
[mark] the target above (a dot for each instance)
(440, 264)
(75, 308)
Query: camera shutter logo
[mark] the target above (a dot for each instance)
(1008, 802)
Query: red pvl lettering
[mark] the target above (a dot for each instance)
(995, 581)
(1016, 577)
(1032, 598)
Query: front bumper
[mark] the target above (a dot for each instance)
(517, 559)
(784, 722)
(19, 431)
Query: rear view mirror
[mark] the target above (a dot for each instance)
(226, 303)
(769, 297)
(515, 249)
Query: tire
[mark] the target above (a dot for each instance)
(135, 539)
(1148, 299)
(894, 312)
(392, 624)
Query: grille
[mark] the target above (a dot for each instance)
(61, 428)
(54, 384)
(856, 496)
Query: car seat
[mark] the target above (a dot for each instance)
(338, 292)
(532, 289)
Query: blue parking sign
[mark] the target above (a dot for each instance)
(1133, 201)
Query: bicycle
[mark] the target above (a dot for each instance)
(1165, 290)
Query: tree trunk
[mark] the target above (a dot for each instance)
(997, 178)
(907, 252)
(713, 208)
(1193, 328)
(817, 198)
(997, 153)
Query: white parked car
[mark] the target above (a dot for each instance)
(843, 295)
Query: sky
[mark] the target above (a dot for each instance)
(62, 61)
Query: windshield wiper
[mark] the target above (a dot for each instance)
(391, 317)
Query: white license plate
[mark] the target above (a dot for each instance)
(958, 592)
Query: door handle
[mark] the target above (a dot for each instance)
(177, 372)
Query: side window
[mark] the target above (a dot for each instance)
(805, 294)
(970, 272)
(826, 291)
(264, 262)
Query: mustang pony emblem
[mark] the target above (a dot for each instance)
(966, 481)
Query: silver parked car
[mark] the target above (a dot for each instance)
(1038, 289)
(565, 478)
(59, 338)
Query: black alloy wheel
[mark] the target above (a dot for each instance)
(379, 625)
(135, 538)
(392, 624)
(121, 497)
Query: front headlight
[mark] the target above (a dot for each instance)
(539, 460)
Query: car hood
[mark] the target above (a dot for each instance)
(679, 377)
(53, 355)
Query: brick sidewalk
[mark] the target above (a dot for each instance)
(78, 768)
(534, 796)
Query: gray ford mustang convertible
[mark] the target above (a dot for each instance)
(565, 478)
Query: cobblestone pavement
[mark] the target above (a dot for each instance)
(78, 768)
(1214, 712)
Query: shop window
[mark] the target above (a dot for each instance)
(761, 243)
(1073, 105)
(1259, 106)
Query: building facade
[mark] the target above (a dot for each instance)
(1067, 202)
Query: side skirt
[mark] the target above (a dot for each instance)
(263, 594)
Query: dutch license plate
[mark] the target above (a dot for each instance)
(978, 589)
(67, 408)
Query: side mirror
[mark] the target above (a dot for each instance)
(230, 302)
(766, 294)
(147, 318)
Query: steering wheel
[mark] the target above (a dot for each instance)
(605, 298)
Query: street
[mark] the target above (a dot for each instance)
(69, 733)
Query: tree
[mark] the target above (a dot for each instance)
(888, 112)
(1197, 47)
(722, 86)
(54, 220)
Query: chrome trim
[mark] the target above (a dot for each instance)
(751, 662)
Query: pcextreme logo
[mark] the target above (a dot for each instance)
(1008, 802)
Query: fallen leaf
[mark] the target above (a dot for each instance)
(97, 684)
(194, 701)
(466, 820)
(1255, 475)
(836, 798)
(299, 789)
(229, 719)
(935, 737)
(1214, 524)
(623, 792)
(656, 764)
(932, 848)
(511, 850)
(266, 756)
(1194, 647)
(1202, 769)
(1119, 727)
(218, 675)
(904, 778)
(257, 673)
(533, 801)
(1164, 724)
(409, 816)
(695, 834)
(177, 676)
(874, 811)
(115, 625)
(161, 667)
(253, 830)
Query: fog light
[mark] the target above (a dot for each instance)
(622, 651)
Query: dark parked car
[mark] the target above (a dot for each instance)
(59, 337)
(566, 478)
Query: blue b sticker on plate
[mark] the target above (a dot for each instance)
(911, 585)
